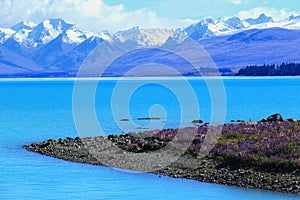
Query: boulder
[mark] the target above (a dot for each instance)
(292, 120)
(275, 118)
(197, 121)
(263, 120)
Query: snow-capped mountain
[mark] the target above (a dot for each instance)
(145, 37)
(224, 26)
(31, 36)
(24, 25)
(5, 33)
(57, 46)
(51, 44)
(254, 47)
(209, 27)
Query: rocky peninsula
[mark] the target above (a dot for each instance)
(261, 155)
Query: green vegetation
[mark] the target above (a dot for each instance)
(285, 69)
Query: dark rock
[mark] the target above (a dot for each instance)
(77, 139)
(148, 118)
(197, 121)
(142, 128)
(263, 120)
(275, 118)
(44, 144)
(292, 120)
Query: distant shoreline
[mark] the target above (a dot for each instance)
(144, 78)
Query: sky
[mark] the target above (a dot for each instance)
(114, 15)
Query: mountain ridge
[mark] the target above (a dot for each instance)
(55, 46)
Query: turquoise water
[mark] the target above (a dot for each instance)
(32, 111)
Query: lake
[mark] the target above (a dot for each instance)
(34, 110)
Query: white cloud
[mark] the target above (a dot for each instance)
(237, 2)
(92, 15)
(274, 13)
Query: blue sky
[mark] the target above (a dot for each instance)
(114, 15)
(196, 9)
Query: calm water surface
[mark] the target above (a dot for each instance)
(32, 111)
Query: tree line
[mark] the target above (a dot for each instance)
(285, 69)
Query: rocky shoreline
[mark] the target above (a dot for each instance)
(143, 154)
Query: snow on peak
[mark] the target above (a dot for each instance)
(75, 35)
(28, 25)
(32, 35)
(5, 33)
(148, 37)
(57, 24)
(107, 36)
(207, 20)
(205, 28)
(293, 17)
(209, 27)
(235, 22)
(48, 30)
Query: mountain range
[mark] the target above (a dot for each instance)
(57, 48)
